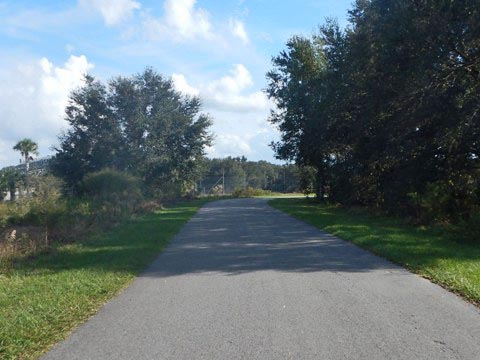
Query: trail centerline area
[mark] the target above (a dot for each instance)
(245, 281)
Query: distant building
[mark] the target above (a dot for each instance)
(37, 166)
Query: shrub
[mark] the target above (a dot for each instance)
(452, 201)
(251, 192)
(46, 207)
(113, 193)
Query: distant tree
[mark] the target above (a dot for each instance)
(138, 124)
(27, 148)
(241, 173)
(9, 180)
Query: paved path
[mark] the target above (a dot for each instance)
(244, 281)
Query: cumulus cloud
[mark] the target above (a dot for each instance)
(238, 30)
(182, 20)
(180, 83)
(189, 21)
(227, 93)
(238, 79)
(238, 114)
(112, 11)
(229, 145)
(33, 96)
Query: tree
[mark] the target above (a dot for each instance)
(93, 140)
(387, 110)
(9, 179)
(239, 173)
(27, 148)
(138, 124)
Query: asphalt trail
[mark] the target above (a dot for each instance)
(245, 281)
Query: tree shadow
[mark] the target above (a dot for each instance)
(229, 237)
(240, 236)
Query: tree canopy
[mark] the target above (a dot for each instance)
(138, 124)
(387, 110)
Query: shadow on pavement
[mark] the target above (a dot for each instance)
(239, 236)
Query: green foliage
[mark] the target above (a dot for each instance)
(251, 192)
(38, 222)
(113, 193)
(26, 147)
(387, 110)
(240, 173)
(9, 181)
(138, 124)
(43, 299)
(308, 179)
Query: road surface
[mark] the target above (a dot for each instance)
(245, 281)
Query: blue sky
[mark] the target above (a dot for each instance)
(219, 50)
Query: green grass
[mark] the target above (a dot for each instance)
(276, 195)
(43, 299)
(429, 252)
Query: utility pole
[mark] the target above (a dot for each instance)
(223, 181)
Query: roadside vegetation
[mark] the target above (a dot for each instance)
(131, 145)
(233, 174)
(43, 298)
(436, 253)
(75, 233)
(386, 111)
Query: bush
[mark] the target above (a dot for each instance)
(113, 193)
(30, 225)
(468, 230)
(251, 192)
(452, 201)
(26, 225)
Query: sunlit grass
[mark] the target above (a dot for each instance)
(429, 252)
(43, 299)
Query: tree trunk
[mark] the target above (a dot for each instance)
(12, 190)
(27, 168)
(320, 184)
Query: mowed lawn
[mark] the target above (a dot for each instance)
(429, 252)
(43, 299)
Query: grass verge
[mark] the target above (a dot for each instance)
(429, 252)
(43, 299)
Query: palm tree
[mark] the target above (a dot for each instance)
(27, 148)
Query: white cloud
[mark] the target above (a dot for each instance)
(238, 80)
(229, 145)
(182, 20)
(180, 84)
(239, 116)
(238, 30)
(112, 11)
(186, 19)
(33, 97)
(227, 93)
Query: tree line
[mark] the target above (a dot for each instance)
(236, 173)
(140, 132)
(387, 110)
